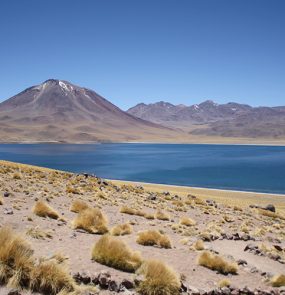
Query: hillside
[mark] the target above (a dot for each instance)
(58, 111)
(210, 119)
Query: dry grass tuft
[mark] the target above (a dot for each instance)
(42, 209)
(37, 233)
(91, 220)
(78, 206)
(113, 252)
(152, 238)
(128, 210)
(161, 215)
(187, 221)
(160, 279)
(224, 283)
(16, 260)
(217, 263)
(270, 214)
(122, 229)
(149, 216)
(1, 200)
(17, 175)
(199, 245)
(48, 277)
(278, 281)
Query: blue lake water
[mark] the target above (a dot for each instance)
(247, 168)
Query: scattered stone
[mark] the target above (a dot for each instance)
(6, 194)
(270, 207)
(8, 211)
(128, 284)
(14, 292)
(242, 262)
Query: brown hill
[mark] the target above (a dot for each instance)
(209, 119)
(62, 112)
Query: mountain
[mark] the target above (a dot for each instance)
(58, 111)
(209, 119)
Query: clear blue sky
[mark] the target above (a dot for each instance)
(181, 51)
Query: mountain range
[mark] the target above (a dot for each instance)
(59, 111)
(216, 120)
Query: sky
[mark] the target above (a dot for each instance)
(132, 51)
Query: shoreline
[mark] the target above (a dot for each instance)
(228, 197)
(271, 144)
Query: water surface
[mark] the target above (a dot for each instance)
(236, 167)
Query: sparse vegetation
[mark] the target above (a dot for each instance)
(217, 263)
(278, 281)
(91, 220)
(224, 283)
(187, 221)
(114, 252)
(162, 215)
(199, 245)
(42, 209)
(122, 229)
(78, 206)
(152, 238)
(159, 279)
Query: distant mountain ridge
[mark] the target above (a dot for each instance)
(211, 119)
(59, 111)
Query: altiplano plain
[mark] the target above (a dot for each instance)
(138, 239)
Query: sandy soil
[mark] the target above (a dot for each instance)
(229, 215)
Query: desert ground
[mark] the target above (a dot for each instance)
(64, 233)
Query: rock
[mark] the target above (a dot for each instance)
(103, 279)
(253, 270)
(127, 284)
(152, 197)
(8, 211)
(274, 256)
(226, 291)
(83, 278)
(242, 262)
(113, 286)
(183, 287)
(14, 292)
(211, 202)
(193, 290)
(270, 207)
(250, 247)
(278, 248)
(6, 194)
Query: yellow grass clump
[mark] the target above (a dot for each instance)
(113, 252)
(16, 260)
(278, 281)
(199, 245)
(37, 233)
(217, 263)
(224, 283)
(161, 215)
(17, 175)
(159, 279)
(48, 277)
(187, 221)
(270, 214)
(122, 229)
(42, 209)
(91, 220)
(78, 206)
(152, 238)
(131, 211)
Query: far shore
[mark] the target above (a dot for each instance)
(225, 142)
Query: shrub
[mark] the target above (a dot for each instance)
(78, 206)
(161, 215)
(270, 214)
(152, 238)
(37, 233)
(122, 229)
(217, 263)
(42, 209)
(17, 175)
(149, 215)
(127, 210)
(159, 279)
(16, 260)
(224, 283)
(48, 277)
(187, 221)
(113, 252)
(199, 245)
(278, 281)
(91, 220)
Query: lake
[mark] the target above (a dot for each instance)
(234, 167)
